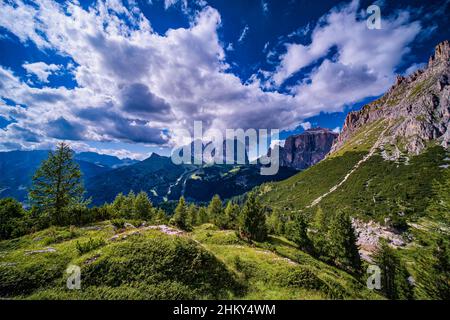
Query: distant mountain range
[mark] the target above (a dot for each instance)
(164, 181)
(18, 167)
(105, 176)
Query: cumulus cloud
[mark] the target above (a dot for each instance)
(138, 86)
(41, 70)
(364, 64)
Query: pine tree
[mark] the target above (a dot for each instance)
(231, 215)
(143, 208)
(57, 185)
(128, 205)
(11, 216)
(320, 234)
(342, 243)
(433, 273)
(394, 276)
(215, 212)
(117, 206)
(160, 217)
(180, 217)
(203, 215)
(299, 233)
(253, 221)
(439, 207)
(193, 215)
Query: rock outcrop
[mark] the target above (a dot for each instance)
(306, 149)
(416, 109)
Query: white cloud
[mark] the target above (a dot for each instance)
(243, 34)
(364, 65)
(306, 125)
(414, 67)
(41, 69)
(177, 77)
(337, 130)
(169, 3)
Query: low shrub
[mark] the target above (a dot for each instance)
(87, 246)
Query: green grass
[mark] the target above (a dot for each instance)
(300, 190)
(376, 190)
(204, 264)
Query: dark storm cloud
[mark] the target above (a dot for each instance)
(23, 134)
(137, 100)
(114, 126)
(63, 129)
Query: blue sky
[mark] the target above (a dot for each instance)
(122, 77)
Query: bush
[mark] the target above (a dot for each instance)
(177, 262)
(118, 223)
(91, 244)
(303, 278)
(12, 218)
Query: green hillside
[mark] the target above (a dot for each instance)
(141, 263)
(376, 190)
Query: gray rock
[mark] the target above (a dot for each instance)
(45, 250)
(417, 109)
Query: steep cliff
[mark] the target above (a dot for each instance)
(306, 149)
(415, 110)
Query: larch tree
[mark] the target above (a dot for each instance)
(57, 185)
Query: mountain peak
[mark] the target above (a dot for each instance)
(441, 54)
(303, 150)
(154, 155)
(414, 111)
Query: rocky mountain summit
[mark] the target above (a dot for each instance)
(414, 112)
(306, 149)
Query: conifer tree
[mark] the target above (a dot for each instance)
(253, 221)
(11, 216)
(180, 217)
(215, 212)
(231, 215)
(203, 215)
(299, 233)
(160, 217)
(320, 234)
(342, 243)
(143, 208)
(439, 207)
(128, 205)
(57, 185)
(118, 205)
(394, 276)
(193, 215)
(433, 273)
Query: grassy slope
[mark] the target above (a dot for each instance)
(377, 189)
(204, 264)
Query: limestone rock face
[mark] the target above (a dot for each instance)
(416, 107)
(306, 149)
